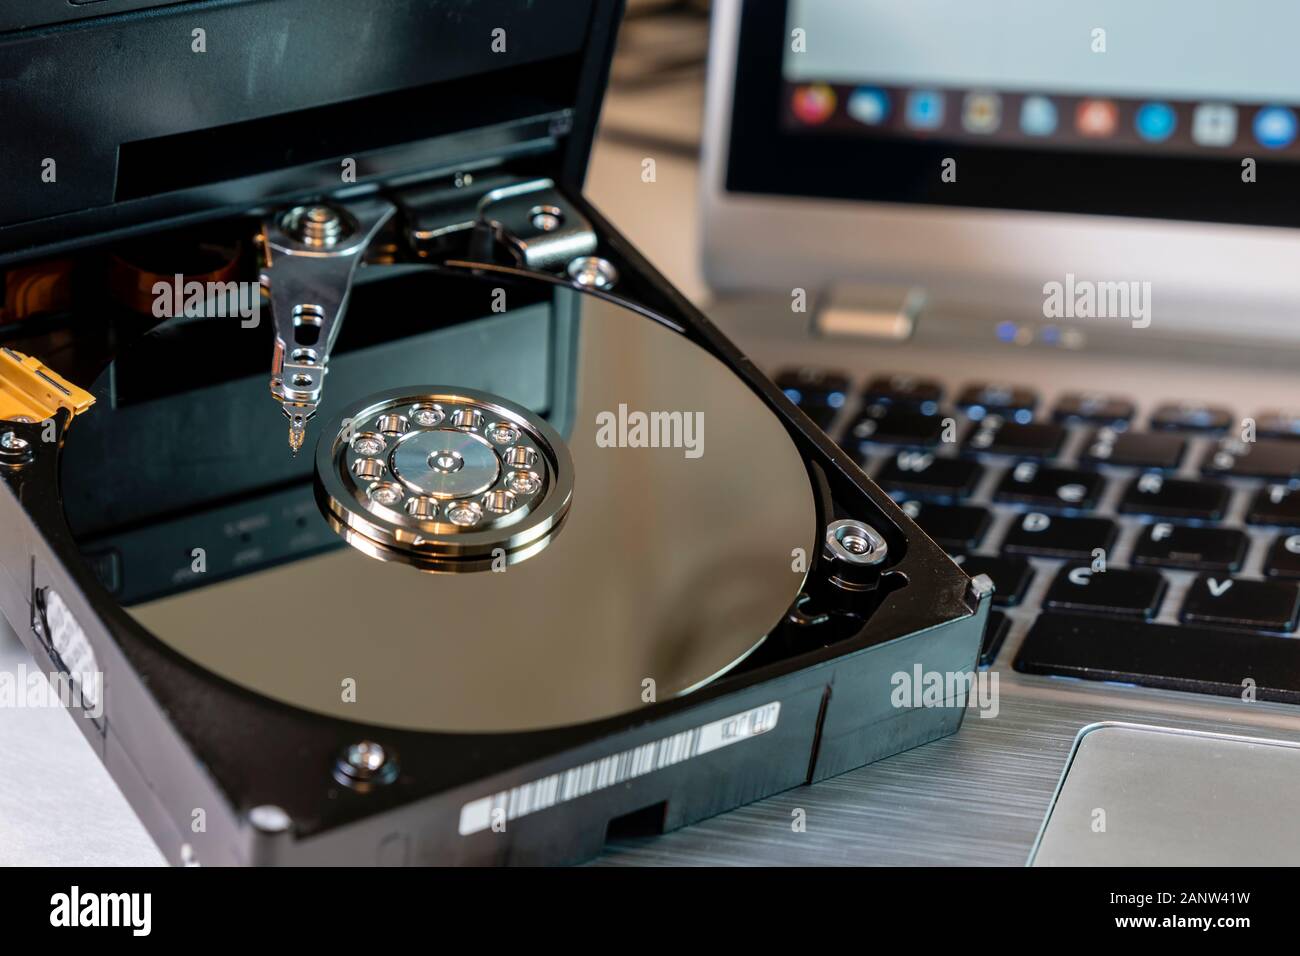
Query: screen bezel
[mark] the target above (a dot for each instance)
(764, 158)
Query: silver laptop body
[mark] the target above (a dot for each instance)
(834, 242)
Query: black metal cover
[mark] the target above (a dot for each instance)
(184, 111)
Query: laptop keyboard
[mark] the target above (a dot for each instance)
(1159, 550)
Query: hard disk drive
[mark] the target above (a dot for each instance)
(460, 538)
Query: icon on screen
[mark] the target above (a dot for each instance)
(868, 105)
(981, 112)
(1275, 127)
(1096, 118)
(1214, 124)
(1037, 116)
(924, 109)
(814, 103)
(1155, 122)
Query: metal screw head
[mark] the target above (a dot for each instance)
(855, 543)
(269, 818)
(503, 434)
(593, 272)
(981, 585)
(523, 482)
(464, 514)
(11, 442)
(317, 225)
(427, 416)
(386, 493)
(368, 444)
(14, 449)
(546, 218)
(365, 764)
(366, 757)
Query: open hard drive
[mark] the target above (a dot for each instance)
(462, 535)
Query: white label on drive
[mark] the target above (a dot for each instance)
(617, 768)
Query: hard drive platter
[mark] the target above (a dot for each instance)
(685, 502)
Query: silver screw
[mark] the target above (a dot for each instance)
(593, 272)
(523, 482)
(981, 585)
(321, 215)
(385, 493)
(854, 542)
(318, 225)
(366, 757)
(369, 445)
(547, 218)
(427, 416)
(464, 514)
(503, 434)
(269, 818)
(364, 763)
(14, 444)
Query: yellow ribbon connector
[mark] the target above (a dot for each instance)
(31, 392)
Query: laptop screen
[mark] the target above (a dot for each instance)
(1168, 108)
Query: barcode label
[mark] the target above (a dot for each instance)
(610, 771)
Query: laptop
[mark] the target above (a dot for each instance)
(1033, 266)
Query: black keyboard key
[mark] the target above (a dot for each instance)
(1275, 458)
(1191, 416)
(1165, 545)
(1134, 449)
(981, 399)
(1283, 560)
(1067, 489)
(1154, 494)
(1276, 423)
(1059, 536)
(820, 393)
(995, 635)
(813, 385)
(1275, 505)
(1093, 407)
(955, 528)
(905, 391)
(1232, 602)
(1011, 575)
(1171, 656)
(1119, 591)
(886, 425)
(919, 474)
(996, 436)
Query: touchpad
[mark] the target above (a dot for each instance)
(1157, 796)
